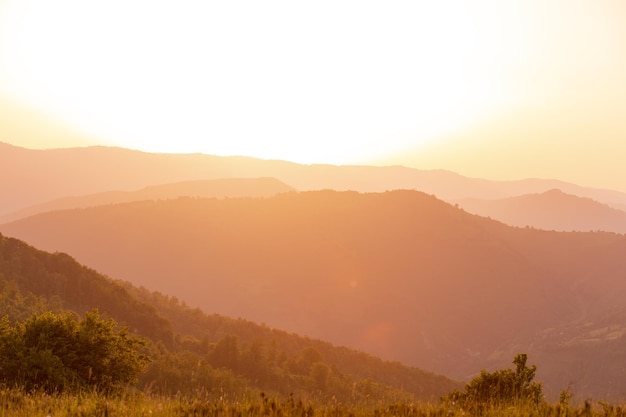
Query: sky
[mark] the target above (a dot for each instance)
(499, 89)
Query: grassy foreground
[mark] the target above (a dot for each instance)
(15, 403)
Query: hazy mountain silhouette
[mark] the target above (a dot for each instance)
(30, 177)
(551, 210)
(398, 274)
(218, 188)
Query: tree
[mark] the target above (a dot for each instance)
(226, 353)
(57, 352)
(108, 356)
(500, 388)
(319, 375)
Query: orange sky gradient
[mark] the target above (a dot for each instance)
(493, 89)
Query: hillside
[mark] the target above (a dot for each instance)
(551, 210)
(186, 342)
(31, 177)
(401, 275)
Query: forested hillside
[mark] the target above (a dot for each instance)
(192, 351)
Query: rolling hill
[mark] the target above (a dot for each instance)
(551, 210)
(182, 340)
(398, 274)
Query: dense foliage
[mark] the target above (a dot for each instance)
(57, 352)
(502, 388)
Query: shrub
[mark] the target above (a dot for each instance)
(57, 352)
(500, 388)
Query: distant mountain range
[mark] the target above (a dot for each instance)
(217, 188)
(31, 177)
(399, 274)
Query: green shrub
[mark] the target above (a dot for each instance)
(57, 352)
(501, 388)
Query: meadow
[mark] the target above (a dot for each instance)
(16, 403)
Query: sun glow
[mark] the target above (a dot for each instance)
(334, 82)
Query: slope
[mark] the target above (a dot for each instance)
(551, 210)
(32, 280)
(399, 274)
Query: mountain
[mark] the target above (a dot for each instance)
(183, 340)
(217, 188)
(30, 177)
(402, 275)
(551, 210)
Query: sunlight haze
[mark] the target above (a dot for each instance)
(286, 208)
(498, 89)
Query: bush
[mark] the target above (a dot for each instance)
(500, 388)
(56, 352)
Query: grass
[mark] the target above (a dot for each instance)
(16, 403)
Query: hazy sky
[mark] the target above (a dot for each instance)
(496, 89)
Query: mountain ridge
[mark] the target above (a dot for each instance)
(31, 177)
(217, 188)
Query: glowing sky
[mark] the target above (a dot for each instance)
(498, 89)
